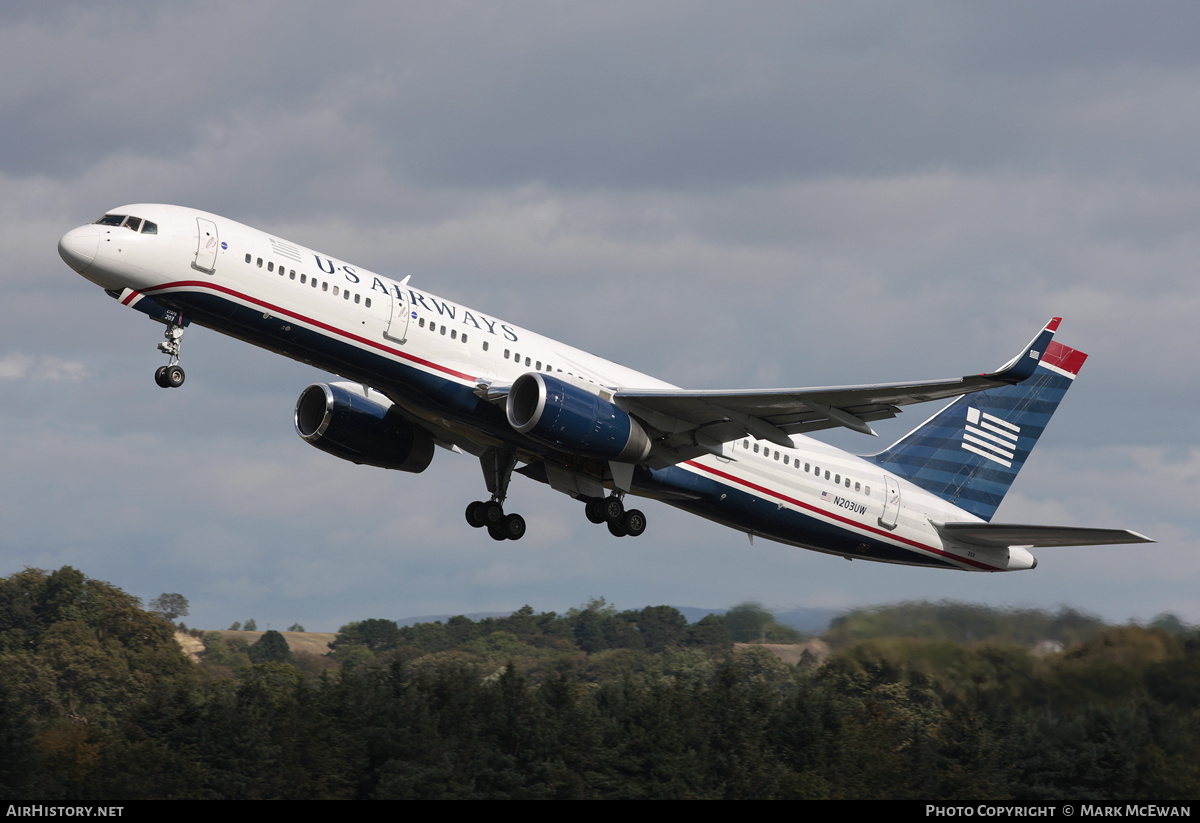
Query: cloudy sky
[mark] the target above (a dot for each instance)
(719, 194)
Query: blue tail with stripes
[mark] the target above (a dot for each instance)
(969, 453)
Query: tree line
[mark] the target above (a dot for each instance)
(97, 702)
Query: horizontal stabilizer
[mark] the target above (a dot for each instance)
(1007, 535)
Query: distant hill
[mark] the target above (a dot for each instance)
(806, 620)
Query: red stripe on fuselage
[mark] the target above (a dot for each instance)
(778, 496)
(182, 284)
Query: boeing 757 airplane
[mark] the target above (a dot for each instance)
(422, 371)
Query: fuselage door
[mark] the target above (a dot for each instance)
(891, 502)
(397, 328)
(206, 245)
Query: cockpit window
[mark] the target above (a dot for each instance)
(128, 221)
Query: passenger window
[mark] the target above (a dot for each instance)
(526, 361)
(485, 344)
(421, 322)
(453, 334)
(260, 262)
(837, 479)
(324, 285)
(247, 258)
(335, 291)
(356, 297)
(292, 274)
(443, 331)
(270, 266)
(756, 448)
(464, 339)
(857, 486)
(538, 365)
(827, 474)
(304, 278)
(368, 303)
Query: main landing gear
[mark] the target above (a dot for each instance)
(611, 510)
(500, 526)
(170, 376)
(497, 471)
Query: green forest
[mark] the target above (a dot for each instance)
(934, 701)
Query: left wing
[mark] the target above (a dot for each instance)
(695, 422)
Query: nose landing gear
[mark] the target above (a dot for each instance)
(170, 376)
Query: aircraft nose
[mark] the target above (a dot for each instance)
(78, 247)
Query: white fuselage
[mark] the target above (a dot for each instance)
(430, 355)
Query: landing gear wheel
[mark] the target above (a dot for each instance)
(634, 523)
(594, 509)
(171, 375)
(616, 528)
(513, 527)
(492, 513)
(613, 508)
(475, 514)
(497, 467)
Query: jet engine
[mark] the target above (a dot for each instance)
(343, 420)
(577, 421)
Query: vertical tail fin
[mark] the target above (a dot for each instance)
(969, 453)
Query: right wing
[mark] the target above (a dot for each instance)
(692, 423)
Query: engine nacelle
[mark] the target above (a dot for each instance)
(339, 418)
(568, 417)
